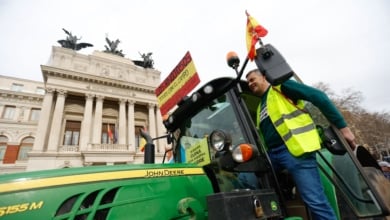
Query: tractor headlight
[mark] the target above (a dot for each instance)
(220, 140)
(208, 89)
(243, 152)
(195, 97)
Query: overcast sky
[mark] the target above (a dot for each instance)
(343, 43)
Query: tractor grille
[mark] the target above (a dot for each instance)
(94, 205)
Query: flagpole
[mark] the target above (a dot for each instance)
(260, 42)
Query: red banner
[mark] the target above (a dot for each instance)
(178, 84)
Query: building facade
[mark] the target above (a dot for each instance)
(88, 111)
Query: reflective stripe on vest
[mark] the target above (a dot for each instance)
(295, 126)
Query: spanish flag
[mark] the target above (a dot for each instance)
(253, 32)
(142, 142)
(110, 134)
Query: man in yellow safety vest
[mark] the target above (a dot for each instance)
(290, 134)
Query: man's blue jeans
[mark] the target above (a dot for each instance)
(307, 179)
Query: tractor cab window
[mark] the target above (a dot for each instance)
(193, 138)
(218, 114)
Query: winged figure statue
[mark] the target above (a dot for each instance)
(71, 42)
(112, 47)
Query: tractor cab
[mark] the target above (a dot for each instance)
(215, 128)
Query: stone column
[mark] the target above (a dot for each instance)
(130, 126)
(55, 132)
(160, 132)
(1, 109)
(43, 124)
(152, 121)
(97, 123)
(122, 122)
(85, 133)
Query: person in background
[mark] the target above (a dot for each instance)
(385, 166)
(290, 135)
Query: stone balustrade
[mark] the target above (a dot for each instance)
(108, 147)
(68, 148)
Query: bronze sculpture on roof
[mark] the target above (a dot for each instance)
(112, 47)
(147, 61)
(71, 42)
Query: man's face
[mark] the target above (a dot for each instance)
(257, 83)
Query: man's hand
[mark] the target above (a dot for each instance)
(349, 136)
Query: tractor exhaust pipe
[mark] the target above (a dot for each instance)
(149, 147)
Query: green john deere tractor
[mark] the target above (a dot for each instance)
(220, 171)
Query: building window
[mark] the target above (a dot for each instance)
(3, 146)
(72, 133)
(3, 139)
(17, 87)
(109, 134)
(9, 112)
(25, 147)
(23, 152)
(40, 91)
(35, 113)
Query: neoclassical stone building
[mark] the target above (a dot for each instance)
(88, 111)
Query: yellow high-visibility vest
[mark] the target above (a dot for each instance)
(294, 125)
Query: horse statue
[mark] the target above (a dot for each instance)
(148, 62)
(71, 42)
(112, 47)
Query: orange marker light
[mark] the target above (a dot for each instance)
(246, 151)
(232, 59)
(231, 54)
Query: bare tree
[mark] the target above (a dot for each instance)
(371, 129)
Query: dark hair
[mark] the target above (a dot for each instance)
(253, 71)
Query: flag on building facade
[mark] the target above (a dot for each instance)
(142, 142)
(110, 134)
(253, 32)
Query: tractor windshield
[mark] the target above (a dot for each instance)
(218, 114)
